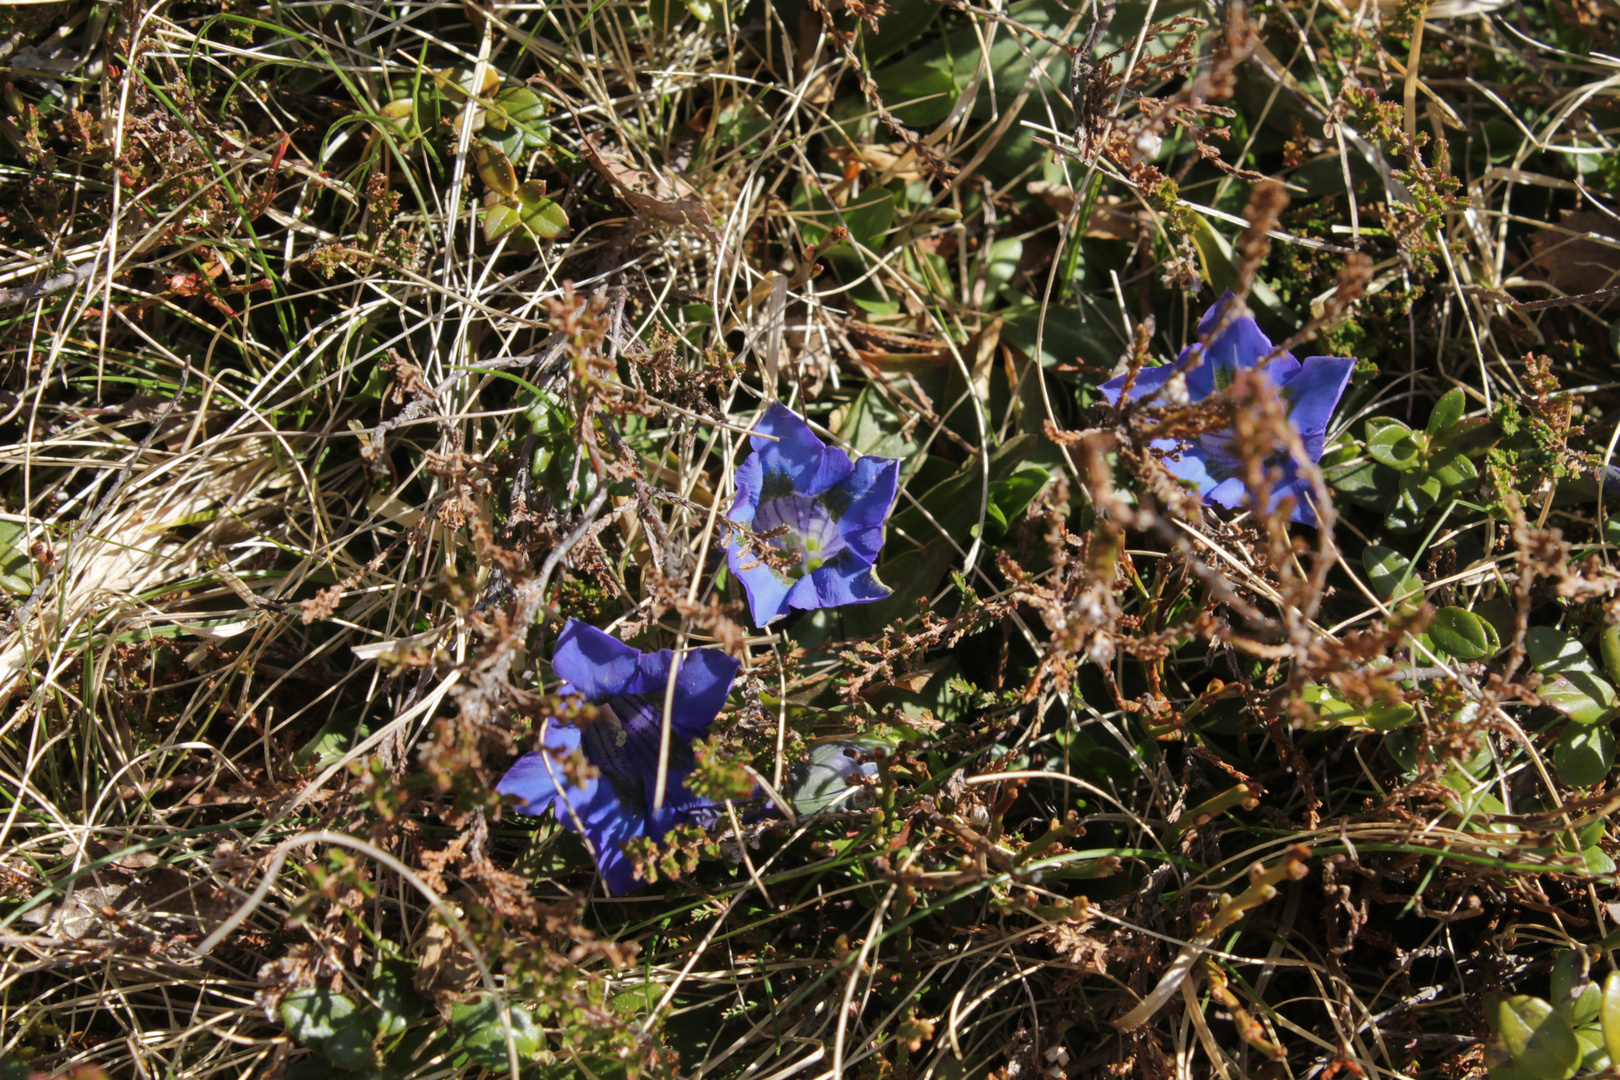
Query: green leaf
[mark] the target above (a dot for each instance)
(16, 576)
(1584, 754)
(1463, 634)
(1394, 444)
(1572, 685)
(1539, 1037)
(483, 1036)
(1001, 263)
(13, 1069)
(1584, 1008)
(1390, 574)
(499, 220)
(1568, 975)
(1609, 1014)
(919, 94)
(544, 219)
(495, 169)
(1416, 496)
(1471, 436)
(873, 425)
(1594, 1056)
(1447, 411)
(1365, 483)
(1456, 472)
(822, 782)
(867, 216)
(398, 1003)
(1065, 334)
(1332, 709)
(332, 1026)
(1009, 498)
(330, 743)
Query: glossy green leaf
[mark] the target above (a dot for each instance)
(16, 576)
(544, 219)
(1539, 1037)
(331, 1025)
(399, 116)
(1447, 411)
(1584, 700)
(1472, 436)
(1609, 1014)
(483, 1035)
(515, 122)
(1365, 483)
(1584, 754)
(1417, 495)
(1456, 472)
(1396, 446)
(1594, 1055)
(1584, 1009)
(1501, 1066)
(1390, 574)
(500, 219)
(1463, 634)
(1572, 685)
(1333, 710)
(495, 169)
(398, 1003)
(1568, 975)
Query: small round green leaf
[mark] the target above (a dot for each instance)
(499, 220)
(1573, 685)
(495, 169)
(1539, 1037)
(483, 1036)
(545, 219)
(1456, 472)
(1390, 574)
(1584, 754)
(1463, 634)
(1396, 446)
(1447, 411)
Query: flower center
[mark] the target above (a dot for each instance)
(812, 533)
(623, 743)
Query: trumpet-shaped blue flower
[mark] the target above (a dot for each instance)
(833, 509)
(1310, 392)
(627, 687)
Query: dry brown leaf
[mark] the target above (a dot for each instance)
(1109, 219)
(888, 162)
(445, 969)
(1581, 254)
(655, 196)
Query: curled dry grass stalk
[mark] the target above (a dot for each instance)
(303, 468)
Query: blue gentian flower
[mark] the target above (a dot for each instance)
(627, 687)
(1310, 392)
(834, 512)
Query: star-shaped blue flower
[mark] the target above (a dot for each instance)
(834, 511)
(1310, 391)
(627, 687)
